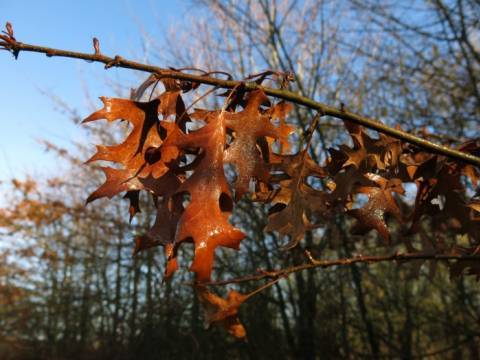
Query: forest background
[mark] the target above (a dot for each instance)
(69, 287)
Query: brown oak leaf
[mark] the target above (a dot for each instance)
(367, 153)
(140, 170)
(205, 219)
(223, 312)
(295, 201)
(248, 126)
(380, 202)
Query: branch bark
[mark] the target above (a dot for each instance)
(313, 263)
(9, 43)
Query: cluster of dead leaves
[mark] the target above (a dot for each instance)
(30, 209)
(179, 156)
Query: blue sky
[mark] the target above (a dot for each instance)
(27, 115)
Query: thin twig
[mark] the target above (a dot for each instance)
(313, 263)
(15, 47)
(263, 287)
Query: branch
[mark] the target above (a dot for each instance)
(399, 257)
(9, 43)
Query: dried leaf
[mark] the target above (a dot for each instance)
(248, 126)
(223, 312)
(295, 201)
(141, 168)
(380, 202)
(205, 219)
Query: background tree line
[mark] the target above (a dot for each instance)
(70, 288)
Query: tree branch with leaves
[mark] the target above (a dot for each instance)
(178, 154)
